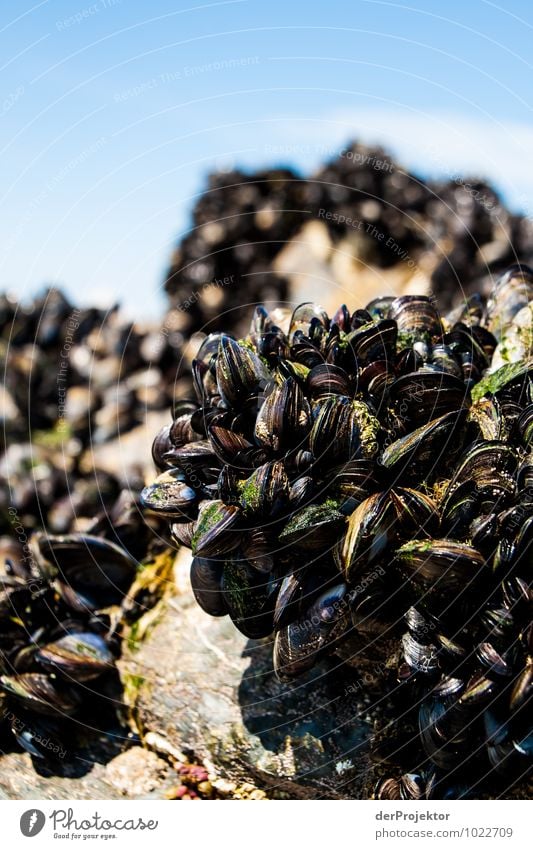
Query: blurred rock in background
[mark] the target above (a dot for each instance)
(360, 226)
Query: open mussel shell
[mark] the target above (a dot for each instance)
(215, 530)
(298, 645)
(88, 572)
(80, 656)
(40, 693)
(206, 583)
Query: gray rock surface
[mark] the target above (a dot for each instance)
(133, 774)
(204, 687)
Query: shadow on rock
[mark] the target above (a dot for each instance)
(314, 733)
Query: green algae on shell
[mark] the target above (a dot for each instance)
(214, 530)
(314, 525)
(266, 490)
(492, 383)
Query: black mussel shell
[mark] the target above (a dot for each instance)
(423, 396)
(215, 530)
(43, 737)
(298, 645)
(372, 528)
(88, 572)
(232, 448)
(171, 496)
(374, 341)
(250, 598)
(239, 371)
(79, 656)
(324, 380)
(426, 451)
(266, 492)
(316, 525)
(439, 564)
(284, 418)
(417, 318)
(40, 693)
(417, 512)
(206, 583)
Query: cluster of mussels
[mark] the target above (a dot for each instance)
(343, 480)
(64, 601)
(243, 220)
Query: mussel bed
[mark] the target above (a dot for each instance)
(350, 483)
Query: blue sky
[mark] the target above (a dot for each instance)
(112, 113)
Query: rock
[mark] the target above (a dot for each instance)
(319, 270)
(132, 774)
(129, 450)
(136, 772)
(210, 691)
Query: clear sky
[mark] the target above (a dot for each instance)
(113, 111)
